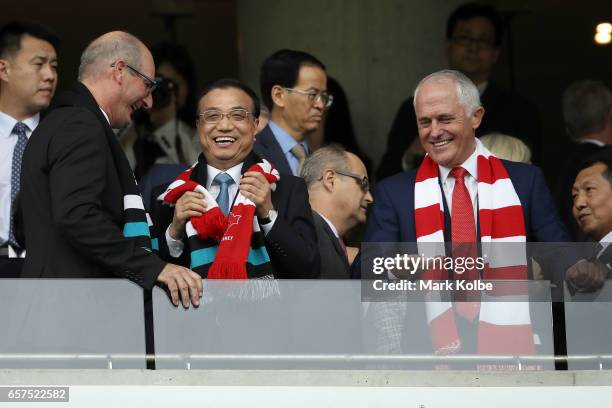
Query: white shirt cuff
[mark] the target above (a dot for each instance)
(175, 246)
(267, 227)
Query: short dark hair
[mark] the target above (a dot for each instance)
(472, 10)
(603, 156)
(225, 83)
(12, 32)
(283, 68)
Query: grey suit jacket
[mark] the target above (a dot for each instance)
(334, 264)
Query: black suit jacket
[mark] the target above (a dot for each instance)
(72, 199)
(505, 112)
(267, 146)
(334, 264)
(292, 241)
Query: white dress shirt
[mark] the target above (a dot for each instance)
(331, 225)
(605, 242)
(471, 183)
(175, 246)
(8, 141)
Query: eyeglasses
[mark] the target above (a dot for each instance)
(314, 96)
(467, 41)
(150, 83)
(215, 116)
(364, 183)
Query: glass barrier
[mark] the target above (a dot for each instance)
(65, 323)
(588, 327)
(318, 324)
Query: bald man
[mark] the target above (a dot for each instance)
(83, 214)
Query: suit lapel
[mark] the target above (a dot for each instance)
(332, 237)
(267, 146)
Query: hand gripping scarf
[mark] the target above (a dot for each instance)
(232, 232)
(504, 325)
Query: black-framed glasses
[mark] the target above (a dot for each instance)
(363, 181)
(314, 96)
(467, 41)
(215, 116)
(150, 83)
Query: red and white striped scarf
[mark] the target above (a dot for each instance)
(233, 232)
(504, 327)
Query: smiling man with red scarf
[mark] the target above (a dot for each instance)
(232, 216)
(462, 193)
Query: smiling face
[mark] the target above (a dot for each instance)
(28, 78)
(134, 91)
(227, 142)
(592, 194)
(446, 132)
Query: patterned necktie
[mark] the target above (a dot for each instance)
(463, 236)
(224, 180)
(19, 130)
(300, 154)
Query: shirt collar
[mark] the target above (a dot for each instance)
(284, 139)
(211, 173)
(7, 123)
(331, 225)
(105, 116)
(606, 241)
(594, 141)
(471, 165)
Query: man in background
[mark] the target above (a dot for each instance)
(474, 34)
(28, 77)
(339, 193)
(587, 111)
(294, 88)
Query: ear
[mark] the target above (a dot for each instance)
(278, 95)
(477, 117)
(4, 70)
(328, 178)
(118, 72)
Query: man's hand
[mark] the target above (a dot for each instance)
(255, 187)
(191, 204)
(182, 281)
(585, 276)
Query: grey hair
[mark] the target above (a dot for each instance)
(105, 50)
(467, 93)
(328, 157)
(585, 107)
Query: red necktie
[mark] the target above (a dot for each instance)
(343, 246)
(463, 236)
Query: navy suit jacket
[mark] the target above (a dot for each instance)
(267, 146)
(392, 216)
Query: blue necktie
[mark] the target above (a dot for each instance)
(19, 130)
(224, 180)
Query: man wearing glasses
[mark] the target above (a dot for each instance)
(83, 214)
(474, 35)
(339, 193)
(283, 240)
(294, 88)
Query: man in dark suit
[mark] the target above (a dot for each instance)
(474, 34)
(83, 216)
(587, 111)
(228, 112)
(28, 77)
(339, 193)
(592, 209)
(458, 177)
(294, 88)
